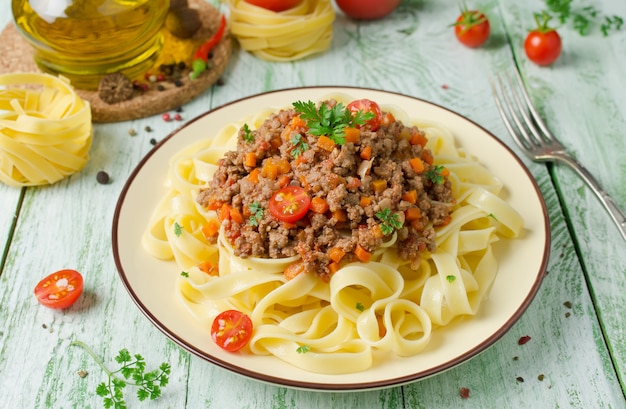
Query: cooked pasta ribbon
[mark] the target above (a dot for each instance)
(336, 327)
(289, 35)
(45, 129)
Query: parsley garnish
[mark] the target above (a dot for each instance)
(299, 145)
(360, 307)
(493, 216)
(330, 121)
(434, 174)
(133, 367)
(583, 18)
(247, 134)
(451, 278)
(303, 349)
(256, 214)
(390, 221)
(178, 229)
(184, 274)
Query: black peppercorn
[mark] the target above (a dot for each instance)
(102, 177)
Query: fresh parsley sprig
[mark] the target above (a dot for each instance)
(328, 121)
(299, 145)
(133, 371)
(583, 18)
(248, 136)
(390, 221)
(434, 174)
(256, 213)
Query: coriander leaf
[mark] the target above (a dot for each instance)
(390, 221)
(178, 229)
(256, 214)
(434, 174)
(247, 134)
(132, 366)
(303, 349)
(299, 145)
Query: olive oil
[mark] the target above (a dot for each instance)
(84, 40)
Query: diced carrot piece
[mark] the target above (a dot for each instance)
(417, 224)
(224, 212)
(418, 138)
(366, 153)
(276, 142)
(253, 176)
(410, 196)
(417, 164)
(270, 169)
(211, 229)
(362, 254)
(236, 216)
(318, 205)
(353, 183)
(288, 225)
(294, 269)
(208, 268)
(352, 134)
(445, 172)
(446, 221)
(283, 180)
(413, 213)
(365, 201)
(379, 185)
(297, 122)
(333, 267)
(427, 156)
(283, 166)
(340, 215)
(285, 135)
(214, 204)
(377, 232)
(250, 159)
(336, 254)
(325, 143)
(387, 119)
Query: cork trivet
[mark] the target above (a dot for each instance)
(18, 56)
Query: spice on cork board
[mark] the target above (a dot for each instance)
(195, 52)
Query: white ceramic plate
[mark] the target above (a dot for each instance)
(150, 282)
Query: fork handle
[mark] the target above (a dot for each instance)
(607, 201)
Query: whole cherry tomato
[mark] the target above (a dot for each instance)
(290, 204)
(366, 106)
(367, 9)
(231, 330)
(275, 5)
(543, 44)
(60, 289)
(472, 28)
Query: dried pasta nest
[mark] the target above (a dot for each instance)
(293, 34)
(114, 88)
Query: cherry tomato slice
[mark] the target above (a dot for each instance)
(472, 28)
(290, 204)
(60, 289)
(231, 330)
(367, 105)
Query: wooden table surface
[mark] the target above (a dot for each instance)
(577, 353)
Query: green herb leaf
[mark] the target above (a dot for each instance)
(303, 349)
(256, 214)
(390, 221)
(247, 134)
(451, 278)
(299, 145)
(584, 18)
(330, 122)
(133, 367)
(434, 174)
(184, 274)
(178, 229)
(360, 307)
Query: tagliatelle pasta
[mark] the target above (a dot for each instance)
(385, 307)
(289, 35)
(45, 129)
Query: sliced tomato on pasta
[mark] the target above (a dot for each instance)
(231, 330)
(290, 204)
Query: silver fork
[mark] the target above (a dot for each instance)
(533, 137)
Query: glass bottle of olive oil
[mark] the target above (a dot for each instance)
(84, 40)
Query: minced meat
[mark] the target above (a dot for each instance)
(356, 185)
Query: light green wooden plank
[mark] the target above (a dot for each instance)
(581, 97)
